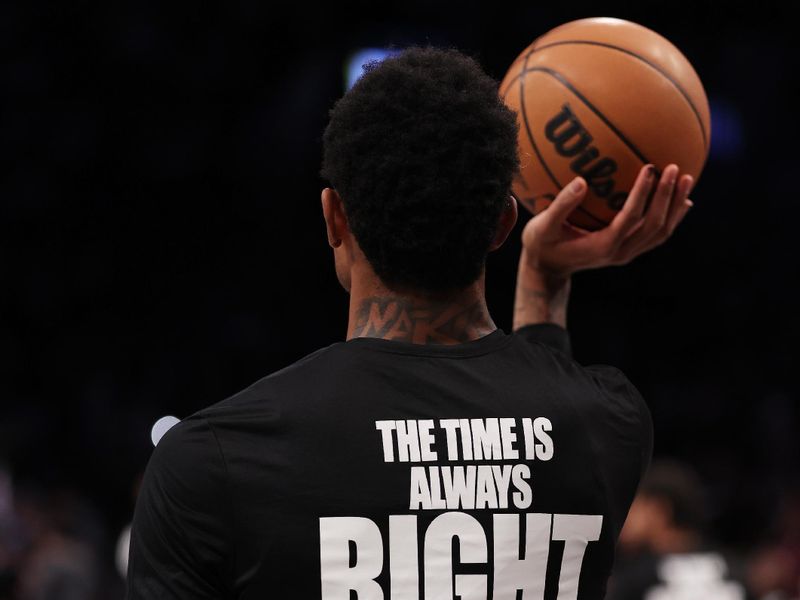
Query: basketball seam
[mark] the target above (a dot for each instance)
(655, 67)
(563, 81)
(524, 115)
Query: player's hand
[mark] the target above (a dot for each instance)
(553, 246)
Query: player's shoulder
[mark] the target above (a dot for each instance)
(602, 396)
(550, 344)
(187, 458)
(611, 390)
(263, 397)
(548, 338)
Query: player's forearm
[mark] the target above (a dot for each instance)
(540, 297)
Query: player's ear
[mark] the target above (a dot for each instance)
(506, 222)
(335, 219)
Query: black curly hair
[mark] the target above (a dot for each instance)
(422, 152)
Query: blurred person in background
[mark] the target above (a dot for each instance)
(773, 571)
(58, 560)
(11, 537)
(664, 554)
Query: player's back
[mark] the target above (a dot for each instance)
(402, 471)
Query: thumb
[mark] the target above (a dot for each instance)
(567, 200)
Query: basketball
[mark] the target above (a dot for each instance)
(601, 98)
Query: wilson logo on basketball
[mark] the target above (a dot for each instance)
(572, 140)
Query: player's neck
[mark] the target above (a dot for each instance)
(376, 311)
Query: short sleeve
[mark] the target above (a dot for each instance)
(549, 334)
(180, 539)
(631, 415)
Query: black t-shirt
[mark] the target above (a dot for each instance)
(382, 469)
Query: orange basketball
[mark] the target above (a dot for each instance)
(601, 98)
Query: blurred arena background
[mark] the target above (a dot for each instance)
(162, 248)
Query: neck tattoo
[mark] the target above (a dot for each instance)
(421, 322)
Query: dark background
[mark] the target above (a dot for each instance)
(163, 247)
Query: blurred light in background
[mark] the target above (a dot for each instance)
(122, 552)
(162, 426)
(727, 131)
(354, 67)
